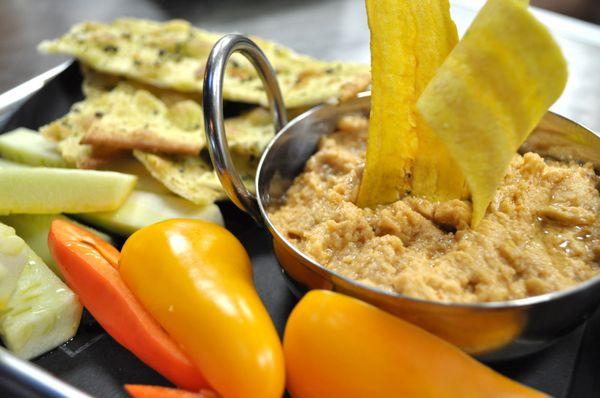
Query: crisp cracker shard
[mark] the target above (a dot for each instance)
(137, 119)
(192, 177)
(491, 92)
(120, 115)
(123, 118)
(249, 133)
(173, 55)
(409, 41)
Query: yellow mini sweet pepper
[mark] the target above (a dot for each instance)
(195, 278)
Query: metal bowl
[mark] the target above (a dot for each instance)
(490, 330)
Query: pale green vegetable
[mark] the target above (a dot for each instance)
(145, 182)
(42, 313)
(34, 228)
(13, 257)
(30, 147)
(10, 163)
(41, 190)
(145, 208)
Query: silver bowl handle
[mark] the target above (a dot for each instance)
(212, 103)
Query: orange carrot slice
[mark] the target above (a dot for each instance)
(88, 266)
(142, 391)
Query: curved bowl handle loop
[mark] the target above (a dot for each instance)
(212, 103)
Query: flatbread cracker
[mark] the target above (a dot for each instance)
(173, 55)
(193, 177)
(174, 129)
(126, 118)
(137, 119)
(88, 156)
(250, 133)
(97, 83)
(68, 130)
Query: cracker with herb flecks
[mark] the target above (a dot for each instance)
(249, 133)
(126, 118)
(68, 131)
(173, 55)
(192, 177)
(97, 83)
(123, 119)
(87, 156)
(137, 119)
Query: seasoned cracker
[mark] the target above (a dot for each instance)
(193, 177)
(86, 156)
(137, 119)
(97, 83)
(68, 131)
(128, 118)
(173, 55)
(249, 133)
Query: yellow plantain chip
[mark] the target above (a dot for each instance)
(409, 41)
(491, 92)
(173, 55)
(192, 177)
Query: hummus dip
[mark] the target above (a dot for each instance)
(541, 232)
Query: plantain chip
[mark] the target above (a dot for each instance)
(491, 92)
(409, 41)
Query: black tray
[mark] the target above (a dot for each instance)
(93, 362)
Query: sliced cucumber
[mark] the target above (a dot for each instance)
(10, 163)
(42, 313)
(30, 147)
(42, 190)
(145, 181)
(145, 208)
(34, 228)
(13, 257)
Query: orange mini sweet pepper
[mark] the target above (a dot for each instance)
(339, 347)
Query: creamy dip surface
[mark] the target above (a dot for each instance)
(541, 232)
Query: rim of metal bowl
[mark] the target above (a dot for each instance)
(522, 302)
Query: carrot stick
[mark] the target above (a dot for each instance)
(73, 232)
(142, 391)
(87, 264)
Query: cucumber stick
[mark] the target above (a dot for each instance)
(42, 190)
(145, 181)
(144, 208)
(13, 257)
(34, 228)
(42, 313)
(30, 147)
(10, 163)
